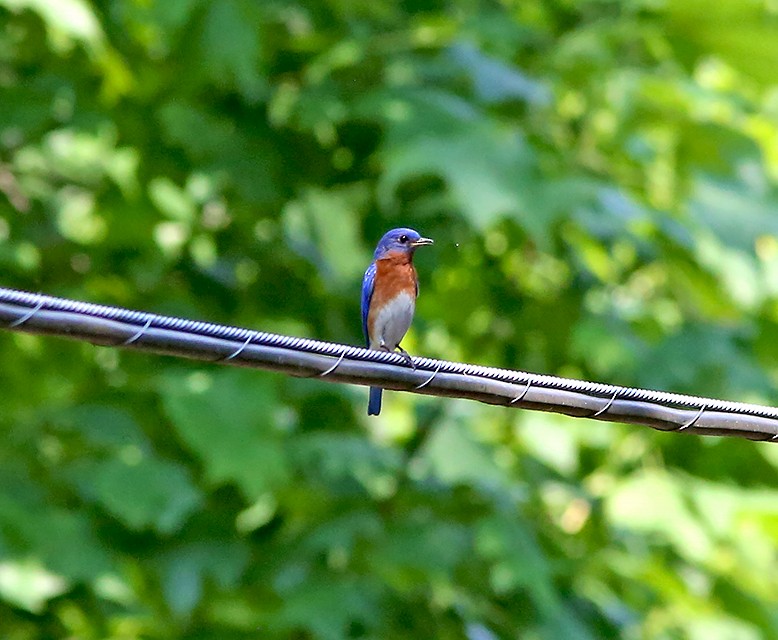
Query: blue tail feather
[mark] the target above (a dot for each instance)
(374, 404)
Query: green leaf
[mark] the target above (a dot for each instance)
(486, 170)
(335, 457)
(226, 418)
(654, 502)
(28, 586)
(495, 81)
(73, 19)
(186, 568)
(179, 119)
(323, 224)
(418, 551)
(452, 455)
(231, 48)
(62, 540)
(171, 200)
(102, 426)
(515, 558)
(327, 607)
(141, 491)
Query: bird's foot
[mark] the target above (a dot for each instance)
(407, 357)
(401, 351)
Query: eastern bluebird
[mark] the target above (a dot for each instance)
(389, 291)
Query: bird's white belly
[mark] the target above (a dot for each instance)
(392, 321)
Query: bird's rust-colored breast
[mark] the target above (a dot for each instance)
(395, 274)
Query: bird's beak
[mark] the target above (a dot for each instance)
(422, 242)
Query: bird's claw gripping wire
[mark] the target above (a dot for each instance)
(407, 357)
(402, 352)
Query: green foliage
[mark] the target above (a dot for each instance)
(600, 180)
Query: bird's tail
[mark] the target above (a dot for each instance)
(374, 404)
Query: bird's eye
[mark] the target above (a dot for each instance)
(403, 239)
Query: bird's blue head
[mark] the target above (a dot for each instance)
(406, 240)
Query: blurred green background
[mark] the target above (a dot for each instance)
(600, 178)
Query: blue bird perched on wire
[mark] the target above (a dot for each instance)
(389, 291)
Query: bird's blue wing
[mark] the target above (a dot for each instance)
(368, 282)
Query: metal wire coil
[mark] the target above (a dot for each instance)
(105, 325)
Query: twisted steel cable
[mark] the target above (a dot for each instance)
(114, 326)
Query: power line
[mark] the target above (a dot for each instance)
(117, 327)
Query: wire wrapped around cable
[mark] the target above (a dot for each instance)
(115, 326)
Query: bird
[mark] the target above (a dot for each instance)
(389, 290)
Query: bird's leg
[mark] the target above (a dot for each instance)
(384, 347)
(407, 357)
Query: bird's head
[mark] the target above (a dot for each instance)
(405, 240)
